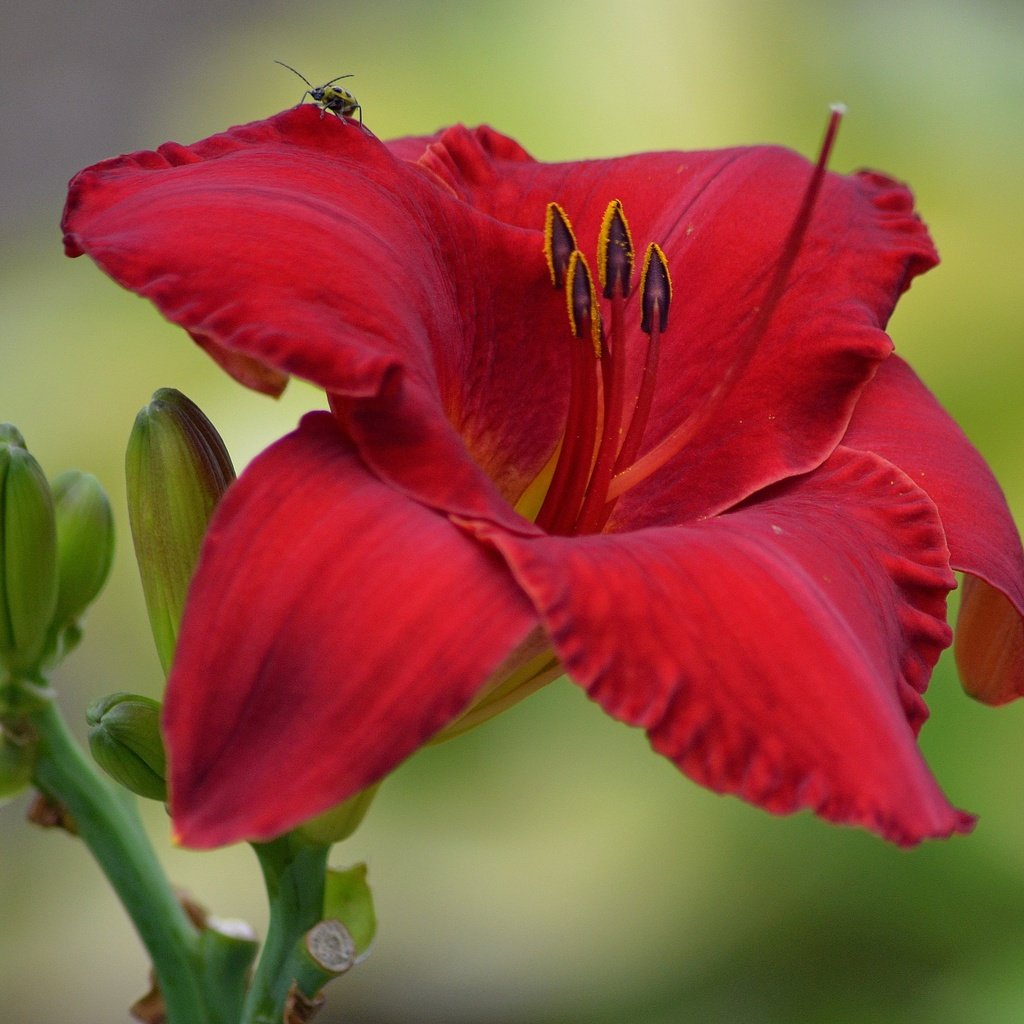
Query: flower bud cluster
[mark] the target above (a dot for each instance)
(56, 549)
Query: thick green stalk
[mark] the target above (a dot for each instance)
(110, 827)
(294, 872)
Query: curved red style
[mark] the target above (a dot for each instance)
(760, 584)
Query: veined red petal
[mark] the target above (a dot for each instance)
(776, 652)
(299, 245)
(722, 217)
(899, 418)
(333, 626)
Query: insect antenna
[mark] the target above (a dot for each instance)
(333, 80)
(294, 72)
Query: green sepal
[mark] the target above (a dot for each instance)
(19, 746)
(348, 899)
(177, 469)
(85, 551)
(125, 740)
(339, 822)
(28, 557)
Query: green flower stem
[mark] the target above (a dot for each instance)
(227, 959)
(110, 827)
(294, 872)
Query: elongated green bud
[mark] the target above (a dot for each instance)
(177, 469)
(85, 550)
(125, 740)
(28, 556)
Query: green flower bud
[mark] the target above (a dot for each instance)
(28, 556)
(125, 740)
(177, 469)
(85, 549)
(17, 759)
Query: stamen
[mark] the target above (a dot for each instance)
(655, 289)
(615, 270)
(614, 251)
(581, 299)
(580, 456)
(613, 381)
(558, 510)
(655, 296)
(571, 443)
(576, 500)
(685, 431)
(559, 243)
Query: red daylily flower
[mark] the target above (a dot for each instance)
(758, 581)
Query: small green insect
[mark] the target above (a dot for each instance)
(329, 96)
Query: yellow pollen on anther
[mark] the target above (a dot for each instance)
(654, 251)
(559, 242)
(614, 232)
(581, 300)
(654, 279)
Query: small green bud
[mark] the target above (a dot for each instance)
(17, 759)
(28, 556)
(125, 740)
(85, 550)
(177, 469)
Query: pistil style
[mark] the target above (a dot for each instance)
(688, 428)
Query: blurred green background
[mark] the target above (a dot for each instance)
(548, 867)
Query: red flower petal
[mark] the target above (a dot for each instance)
(245, 240)
(332, 628)
(777, 652)
(901, 420)
(989, 644)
